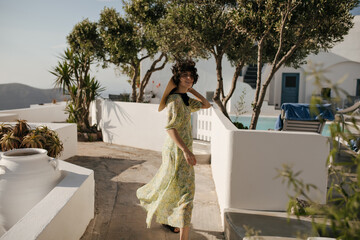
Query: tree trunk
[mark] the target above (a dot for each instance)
(148, 74)
(275, 67)
(256, 109)
(233, 83)
(219, 89)
(133, 82)
(258, 104)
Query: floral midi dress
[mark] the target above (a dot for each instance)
(169, 195)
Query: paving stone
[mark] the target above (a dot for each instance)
(119, 172)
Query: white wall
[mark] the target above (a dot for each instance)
(346, 71)
(133, 124)
(244, 164)
(350, 47)
(40, 113)
(276, 82)
(64, 213)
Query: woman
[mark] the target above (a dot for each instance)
(169, 195)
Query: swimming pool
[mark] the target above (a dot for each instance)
(266, 123)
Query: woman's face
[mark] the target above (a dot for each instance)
(186, 79)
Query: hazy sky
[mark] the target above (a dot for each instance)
(33, 34)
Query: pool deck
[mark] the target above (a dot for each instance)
(119, 172)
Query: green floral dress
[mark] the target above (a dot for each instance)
(169, 195)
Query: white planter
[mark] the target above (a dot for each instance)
(26, 176)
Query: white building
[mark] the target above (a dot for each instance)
(288, 84)
(341, 62)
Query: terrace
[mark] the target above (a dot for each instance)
(238, 187)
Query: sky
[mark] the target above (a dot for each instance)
(33, 35)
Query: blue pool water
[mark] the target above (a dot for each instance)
(266, 123)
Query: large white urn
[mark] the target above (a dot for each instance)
(26, 176)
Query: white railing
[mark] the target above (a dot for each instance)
(201, 124)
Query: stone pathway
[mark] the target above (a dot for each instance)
(119, 171)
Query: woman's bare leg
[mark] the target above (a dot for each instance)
(184, 233)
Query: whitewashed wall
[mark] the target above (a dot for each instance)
(133, 124)
(64, 213)
(244, 164)
(38, 113)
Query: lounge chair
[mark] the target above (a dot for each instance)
(297, 117)
(303, 126)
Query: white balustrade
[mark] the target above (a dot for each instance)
(201, 124)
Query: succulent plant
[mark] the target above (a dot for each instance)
(4, 129)
(33, 140)
(21, 136)
(21, 129)
(9, 141)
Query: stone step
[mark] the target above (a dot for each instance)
(202, 151)
(270, 225)
(251, 72)
(203, 145)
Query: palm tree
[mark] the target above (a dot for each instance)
(73, 76)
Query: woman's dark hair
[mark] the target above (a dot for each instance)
(181, 66)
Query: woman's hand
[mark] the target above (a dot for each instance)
(190, 157)
(205, 103)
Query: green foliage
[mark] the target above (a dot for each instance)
(340, 216)
(127, 42)
(146, 12)
(85, 39)
(240, 105)
(22, 136)
(73, 75)
(239, 110)
(201, 29)
(239, 125)
(286, 32)
(122, 44)
(251, 232)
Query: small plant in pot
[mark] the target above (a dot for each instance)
(22, 136)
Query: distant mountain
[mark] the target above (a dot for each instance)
(15, 95)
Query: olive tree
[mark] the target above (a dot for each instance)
(201, 29)
(126, 45)
(286, 31)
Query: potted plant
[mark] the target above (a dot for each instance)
(28, 168)
(22, 136)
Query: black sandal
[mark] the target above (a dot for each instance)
(171, 228)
